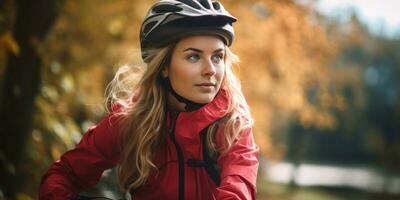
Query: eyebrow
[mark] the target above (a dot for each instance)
(200, 51)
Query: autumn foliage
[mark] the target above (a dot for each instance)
(289, 58)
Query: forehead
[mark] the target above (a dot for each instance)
(201, 42)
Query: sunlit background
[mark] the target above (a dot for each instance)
(321, 78)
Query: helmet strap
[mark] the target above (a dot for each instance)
(189, 105)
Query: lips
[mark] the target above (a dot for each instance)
(206, 84)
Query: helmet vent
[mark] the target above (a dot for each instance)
(148, 26)
(166, 8)
(216, 5)
(205, 4)
(190, 3)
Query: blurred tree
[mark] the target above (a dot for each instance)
(376, 59)
(368, 67)
(367, 132)
(21, 83)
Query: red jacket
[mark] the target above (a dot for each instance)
(82, 167)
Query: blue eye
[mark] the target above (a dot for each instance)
(217, 58)
(194, 57)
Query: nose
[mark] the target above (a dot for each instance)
(208, 68)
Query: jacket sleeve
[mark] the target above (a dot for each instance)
(239, 168)
(82, 167)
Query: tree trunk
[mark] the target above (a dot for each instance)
(21, 85)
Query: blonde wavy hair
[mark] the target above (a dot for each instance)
(143, 121)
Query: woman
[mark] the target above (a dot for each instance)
(186, 111)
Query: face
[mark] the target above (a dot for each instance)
(197, 67)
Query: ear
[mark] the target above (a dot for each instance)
(165, 71)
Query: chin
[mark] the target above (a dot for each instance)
(204, 98)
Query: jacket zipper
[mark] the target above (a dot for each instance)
(180, 156)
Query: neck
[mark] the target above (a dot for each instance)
(173, 104)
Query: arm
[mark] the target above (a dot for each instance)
(82, 167)
(239, 169)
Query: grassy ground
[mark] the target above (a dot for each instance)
(272, 191)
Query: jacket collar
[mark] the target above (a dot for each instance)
(197, 120)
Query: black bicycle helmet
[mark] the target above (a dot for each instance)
(169, 20)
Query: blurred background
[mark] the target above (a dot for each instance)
(321, 78)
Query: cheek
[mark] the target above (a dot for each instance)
(220, 74)
(182, 72)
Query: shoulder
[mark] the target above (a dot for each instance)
(124, 104)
